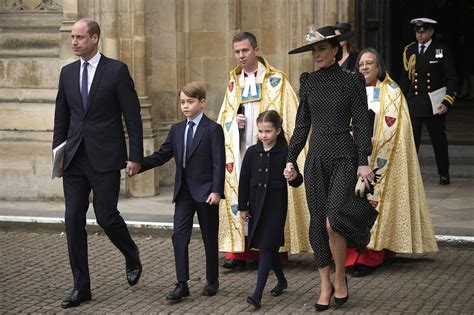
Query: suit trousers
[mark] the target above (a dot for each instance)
(437, 132)
(79, 178)
(208, 216)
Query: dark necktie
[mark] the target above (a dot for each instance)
(84, 88)
(189, 139)
(422, 49)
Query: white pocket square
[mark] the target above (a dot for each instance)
(433, 61)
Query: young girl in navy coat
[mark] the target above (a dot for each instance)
(263, 199)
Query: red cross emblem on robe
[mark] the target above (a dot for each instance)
(390, 120)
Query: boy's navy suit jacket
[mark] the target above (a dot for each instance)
(205, 167)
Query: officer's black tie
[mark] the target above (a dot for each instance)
(422, 49)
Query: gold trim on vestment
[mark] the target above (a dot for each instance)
(403, 224)
(277, 94)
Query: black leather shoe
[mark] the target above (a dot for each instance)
(341, 301)
(134, 271)
(323, 307)
(76, 298)
(181, 290)
(253, 302)
(210, 288)
(444, 180)
(278, 289)
(362, 270)
(234, 264)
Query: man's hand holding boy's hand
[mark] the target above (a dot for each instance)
(132, 168)
(213, 199)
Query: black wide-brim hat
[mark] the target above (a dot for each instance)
(318, 35)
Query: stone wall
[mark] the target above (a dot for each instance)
(165, 43)
(29, 71)
(192, 40)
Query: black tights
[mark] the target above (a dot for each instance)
(269, 259)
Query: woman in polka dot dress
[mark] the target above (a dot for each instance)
(331, 101)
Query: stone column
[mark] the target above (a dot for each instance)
(109, 25)
(164, 71)
(146, 184)
(70, 15)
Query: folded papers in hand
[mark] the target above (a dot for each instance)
(57, 161)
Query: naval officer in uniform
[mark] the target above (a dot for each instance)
(429, 66)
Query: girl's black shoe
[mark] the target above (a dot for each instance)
(253, 302)
(278, 289)
(342, 301)
(323, 307)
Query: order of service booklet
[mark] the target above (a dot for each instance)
(436, 97)
(57, 161)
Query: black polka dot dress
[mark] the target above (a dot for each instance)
(330, 99)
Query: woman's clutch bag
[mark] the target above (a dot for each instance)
(360, 188)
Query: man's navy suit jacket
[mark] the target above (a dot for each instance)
(205, 166)
(112, 93)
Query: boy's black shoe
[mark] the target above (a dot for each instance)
(76, 298)
(181, 290)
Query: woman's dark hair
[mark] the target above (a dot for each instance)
(335, 43)
(352, 46)
(351, 42)
(381, 69)
(273, 117)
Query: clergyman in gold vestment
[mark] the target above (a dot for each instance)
(255, 86)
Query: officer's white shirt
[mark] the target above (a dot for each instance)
(428, 43)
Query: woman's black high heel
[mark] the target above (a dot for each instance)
(342, 301)
(323, 307)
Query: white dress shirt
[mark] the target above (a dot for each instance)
(93, 63)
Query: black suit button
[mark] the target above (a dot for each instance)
(268, 154)
(416, 93)
(261, 154)
(259, 184)
(259, 169)
(264, 185)
(428, 74)
(266, 170)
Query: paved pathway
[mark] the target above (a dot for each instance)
(451, 207)
(35, 276)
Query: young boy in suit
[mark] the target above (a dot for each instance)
(197, 145)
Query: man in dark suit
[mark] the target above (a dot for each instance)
(429, 66)
(94, 92)
(197, 145)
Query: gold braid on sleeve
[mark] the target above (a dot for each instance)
(409, 64)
